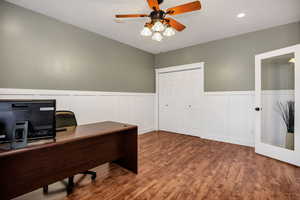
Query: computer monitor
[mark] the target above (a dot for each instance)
(27, 119)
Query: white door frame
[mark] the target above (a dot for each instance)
(158, 71)
(279, 153)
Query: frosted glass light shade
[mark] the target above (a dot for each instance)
(158, 27)
(157, 36)
(146, 32)
(169, 32)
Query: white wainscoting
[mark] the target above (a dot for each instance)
(92, 106)
(229, 116)
(225, 116)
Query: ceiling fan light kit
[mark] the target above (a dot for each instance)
(158, 27)
(157, 36)
(160, 24)
(146, 32)
(169, 32)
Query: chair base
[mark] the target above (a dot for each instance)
(93, 174)
(71, 184)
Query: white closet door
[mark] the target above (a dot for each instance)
(180, 95)
(170, 107)
(165, 93)
(193, 87)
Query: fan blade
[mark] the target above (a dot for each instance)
(175, 24)
(153, 4)
(129, 15)
(196, 5)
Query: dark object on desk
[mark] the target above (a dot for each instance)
(66, 119)
(34, 118)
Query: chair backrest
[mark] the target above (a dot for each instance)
(65, 118)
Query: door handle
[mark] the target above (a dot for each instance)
(257, 109)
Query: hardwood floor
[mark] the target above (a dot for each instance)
(174, 166)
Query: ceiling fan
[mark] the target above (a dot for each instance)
(160, 21)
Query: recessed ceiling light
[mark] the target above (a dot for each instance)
(241, 15)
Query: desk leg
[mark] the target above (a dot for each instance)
(70, 186)
(130, 159)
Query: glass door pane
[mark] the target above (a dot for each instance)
(278, 101)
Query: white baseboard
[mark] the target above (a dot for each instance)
(228, 140)
(146, 131)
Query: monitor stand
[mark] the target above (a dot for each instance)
(19, 135)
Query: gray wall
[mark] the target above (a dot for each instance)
(38, 52)
(229, 63)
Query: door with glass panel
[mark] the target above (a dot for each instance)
(277, 99)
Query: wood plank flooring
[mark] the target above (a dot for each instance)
(174, 166)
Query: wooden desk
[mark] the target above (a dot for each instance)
(74, 151)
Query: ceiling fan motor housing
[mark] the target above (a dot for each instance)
(157, 15)
(160, 1)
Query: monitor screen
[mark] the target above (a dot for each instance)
(39, 114)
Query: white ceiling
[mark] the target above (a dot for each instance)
(216, 20)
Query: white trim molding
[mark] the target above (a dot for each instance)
(15, 91)
(180, 68)
(229, 93)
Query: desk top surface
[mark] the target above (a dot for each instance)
(73, 134)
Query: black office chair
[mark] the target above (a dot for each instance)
(64, 120)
